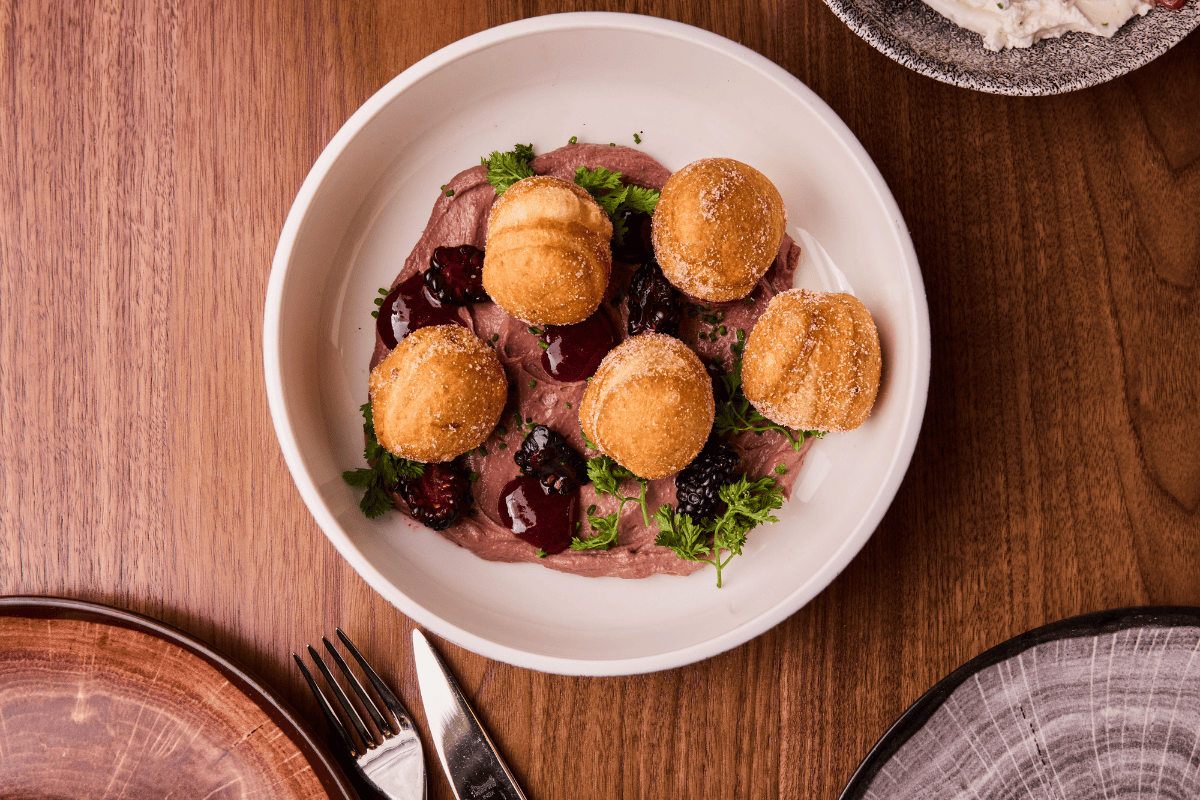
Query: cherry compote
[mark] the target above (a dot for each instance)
(573, 352)
(536, 515)
(410, 306)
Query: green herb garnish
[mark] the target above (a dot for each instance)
(386, 470)
(505, 169)
(749, 504)
(606, 476)
(615, 196)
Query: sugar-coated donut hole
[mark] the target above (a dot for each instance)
(438, 394)
(812, 361)
(548, 255)
(717, 227)
(649, 406)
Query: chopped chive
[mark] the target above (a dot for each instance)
(500, 429)
(507, 350)
(529, 419)
(637, 139)
(535, 331)
(482, 450)
(495, 337)
(443, 187)
(474, 477)
(741, 334)
(543, 345)
(449, 193)
(592, 509)
(383, 291)
(573, 140)
(502, 446)
(532, 383)
(568, 405)
(378, 301)
(722, 330)
(375, 314)
(541, 553)
(780, 470)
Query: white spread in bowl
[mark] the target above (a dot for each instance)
(1020, 23)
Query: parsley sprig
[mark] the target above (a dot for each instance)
(616, 197)
(735, 414)
(386, 471)
(606, 476)
(505, 169)
(749, 503)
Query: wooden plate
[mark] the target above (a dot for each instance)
(97, 702)
(1101, 705)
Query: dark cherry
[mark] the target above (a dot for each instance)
(575, 351)
(537, 516)
(455, 275)
(440, 496)
(654, 304)
(635, 247)
(410, 306)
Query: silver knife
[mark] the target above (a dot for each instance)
(471, 762)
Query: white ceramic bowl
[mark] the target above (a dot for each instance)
(601, 77)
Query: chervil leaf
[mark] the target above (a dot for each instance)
(606, 474)
(615, 196)
(605, 536)
(681, 534)
(505, 169)
(748, 504)
(386, 470)
(641, 199)
(597, 180)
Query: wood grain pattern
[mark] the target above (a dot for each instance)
(149, 152)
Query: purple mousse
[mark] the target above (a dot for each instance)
(546, 388)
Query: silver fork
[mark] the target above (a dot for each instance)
(393, 763)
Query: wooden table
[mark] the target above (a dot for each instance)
(150, 151)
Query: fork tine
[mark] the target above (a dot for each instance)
(383, 725)
(367, 738)
(330, 717)
(389, 699)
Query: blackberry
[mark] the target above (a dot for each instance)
(654, 304)
(548, 456)
(455, 275)
(697, 484)
(440, 495)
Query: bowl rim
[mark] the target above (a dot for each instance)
(281, 416)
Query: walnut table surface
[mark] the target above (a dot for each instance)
(149, 152)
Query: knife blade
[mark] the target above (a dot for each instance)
(470, 760)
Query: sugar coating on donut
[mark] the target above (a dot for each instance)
(548, 255)
(717, 228)
(812, 361)
(438, 394)
(649, 406)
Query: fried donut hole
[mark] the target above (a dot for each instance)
(812, 361)
(649, 406)
(548, 255)
(717, 228)
(438, 394)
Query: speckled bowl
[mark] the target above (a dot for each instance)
(920, 38)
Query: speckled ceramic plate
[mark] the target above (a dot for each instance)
(920, 38)
(1102, 705)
